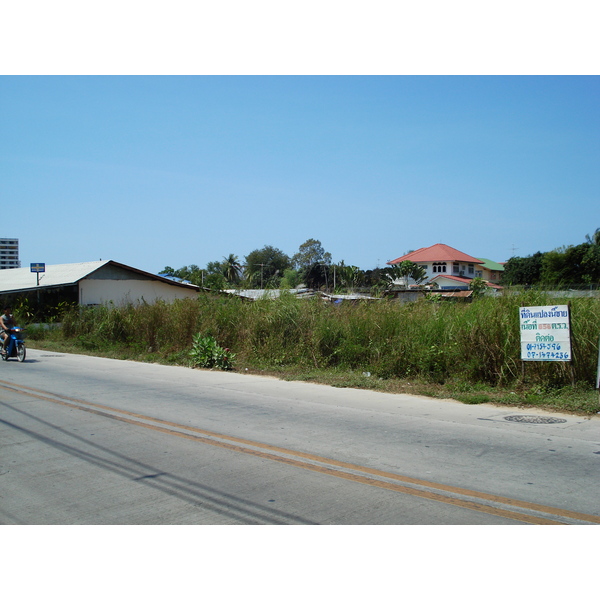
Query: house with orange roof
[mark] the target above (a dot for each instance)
(450, 268)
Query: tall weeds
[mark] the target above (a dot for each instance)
(477, 342)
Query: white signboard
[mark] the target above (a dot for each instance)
(545, 333)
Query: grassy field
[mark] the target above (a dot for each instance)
(465, 351)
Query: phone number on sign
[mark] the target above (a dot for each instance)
(544, 346)
(549, 355)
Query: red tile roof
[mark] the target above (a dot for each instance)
(436, 253)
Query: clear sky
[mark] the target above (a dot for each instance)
(177, 170)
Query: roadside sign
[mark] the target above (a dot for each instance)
(545, 333)
(38, 267)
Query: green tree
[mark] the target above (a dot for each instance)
(523, 271)
(594, 239)
(310, 253)
(313, 263)
(591, 265)
(317, 275)
(265, 267)
(290, 279)
(563, 266)
(191, 273)
(403, 272)
(591, 261)
(215, 281)
(168, 272)
(478, 287)
(232, 268)
(214, 267)
(349, 276)
(375, 279)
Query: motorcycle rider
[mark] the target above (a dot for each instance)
(7, 322)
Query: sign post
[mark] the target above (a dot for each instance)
(38, 268)
(598, 372)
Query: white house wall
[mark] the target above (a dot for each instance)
(444, 283)
(463, 271)
(129, 291)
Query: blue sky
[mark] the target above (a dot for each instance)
(178, 170)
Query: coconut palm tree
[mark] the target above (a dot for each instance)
(403, 272)
(232, 268)
(594, 238)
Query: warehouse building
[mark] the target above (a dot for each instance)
(90, 283)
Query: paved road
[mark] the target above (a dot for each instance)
(87, 440)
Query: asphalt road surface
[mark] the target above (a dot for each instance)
(87, 440)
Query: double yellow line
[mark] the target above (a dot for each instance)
(490, 504)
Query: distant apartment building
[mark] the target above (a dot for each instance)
(9, 253)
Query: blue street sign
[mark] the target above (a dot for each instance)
(38, 267)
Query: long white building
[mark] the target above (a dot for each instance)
(91, 283)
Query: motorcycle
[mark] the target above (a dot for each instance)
(16, 345)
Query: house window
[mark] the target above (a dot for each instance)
(439, 267)
(455, 269)
(479, 274)
(471, 269)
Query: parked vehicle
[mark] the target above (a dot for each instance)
(16, 345)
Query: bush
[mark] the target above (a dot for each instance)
(206, 353)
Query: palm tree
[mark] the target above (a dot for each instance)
(403, 272)
(594, 238)
(232, 268)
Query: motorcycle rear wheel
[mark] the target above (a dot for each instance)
(21, 352)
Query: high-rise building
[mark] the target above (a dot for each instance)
(9, 253)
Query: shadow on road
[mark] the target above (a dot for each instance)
(209, 498)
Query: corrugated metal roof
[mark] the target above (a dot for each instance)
(336, 297)
(457, 294)
(460, 294)
(268, 294)
(16, 280)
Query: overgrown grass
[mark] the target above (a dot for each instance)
(470, 352)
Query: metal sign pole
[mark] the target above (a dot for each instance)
(598, 372)
(571, 344)
(38, 268)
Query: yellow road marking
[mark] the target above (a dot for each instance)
(99, 410)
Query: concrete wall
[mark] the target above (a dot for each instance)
(129, 291)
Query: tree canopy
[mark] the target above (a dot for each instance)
(309, 253)
(567, 265)
(265, 267)
(404, 271)
(269, 267)
(313, 264)
(191, 273)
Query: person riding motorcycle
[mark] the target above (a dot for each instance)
(7, 322)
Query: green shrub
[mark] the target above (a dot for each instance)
(206, 353)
